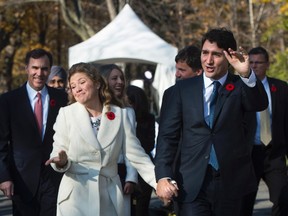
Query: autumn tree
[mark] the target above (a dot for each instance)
(59, 24)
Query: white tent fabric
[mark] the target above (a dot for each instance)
(128, 39)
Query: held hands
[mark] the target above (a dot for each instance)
(7, 188)
(60, 161)
(239, 61)
(166, 189)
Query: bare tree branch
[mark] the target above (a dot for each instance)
(74, 19)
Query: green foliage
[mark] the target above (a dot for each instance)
(279, 67)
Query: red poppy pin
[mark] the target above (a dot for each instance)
(229, 87)
(52, 102)
(110, 115)
(273, 88)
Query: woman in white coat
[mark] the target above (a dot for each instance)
(89, 136)
(116, 82)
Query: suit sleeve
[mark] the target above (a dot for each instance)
(4, 140)
(169, 133)
(255, 98)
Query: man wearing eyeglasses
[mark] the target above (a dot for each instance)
(269, 150)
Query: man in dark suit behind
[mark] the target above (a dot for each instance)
(25, 146)
(214, 169)
(269, 160)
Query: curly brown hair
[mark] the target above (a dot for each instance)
(91, 71)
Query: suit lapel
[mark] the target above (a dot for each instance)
(25, 108)
(53, 108)
(272, 89)
(197, 95)
(224, 93)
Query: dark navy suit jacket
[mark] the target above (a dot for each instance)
(182, 125)
(279, 100)
(22, 152)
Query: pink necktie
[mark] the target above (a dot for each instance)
(39, 112)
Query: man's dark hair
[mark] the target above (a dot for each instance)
(191, 55)
(222, 37)
(259, 50)
(38, 53)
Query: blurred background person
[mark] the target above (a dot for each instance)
(269, 153)
(57, 78)
(115, 79)
(188, 63)
(145, 132)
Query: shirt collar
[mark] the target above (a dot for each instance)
(208, 81)
(264, 81)
(32, 92)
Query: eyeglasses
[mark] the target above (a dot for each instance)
(257, 62)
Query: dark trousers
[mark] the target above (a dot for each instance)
(42, 204)
(210, 200)
(142, 196)
(274, 173)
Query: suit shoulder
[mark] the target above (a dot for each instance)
(190, 81)
(13, 93)
(57, 92)
(58, 95)
(188, 84)
(277, 82)
(168, 91)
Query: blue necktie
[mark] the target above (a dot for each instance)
(213, 159)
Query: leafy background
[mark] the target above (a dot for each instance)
(58, 24)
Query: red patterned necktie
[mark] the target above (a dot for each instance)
(38, 111)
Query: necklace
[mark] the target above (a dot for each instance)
(95, 122)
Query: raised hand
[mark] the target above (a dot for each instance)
(239, 60)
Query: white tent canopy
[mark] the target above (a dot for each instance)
(128, 39)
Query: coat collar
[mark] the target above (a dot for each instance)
(107, 130)
(109, 127)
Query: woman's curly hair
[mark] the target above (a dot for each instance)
(105, 70)
(91, 71)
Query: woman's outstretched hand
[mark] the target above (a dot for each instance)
(60, 161)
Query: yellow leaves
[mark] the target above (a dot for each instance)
(284, 9)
